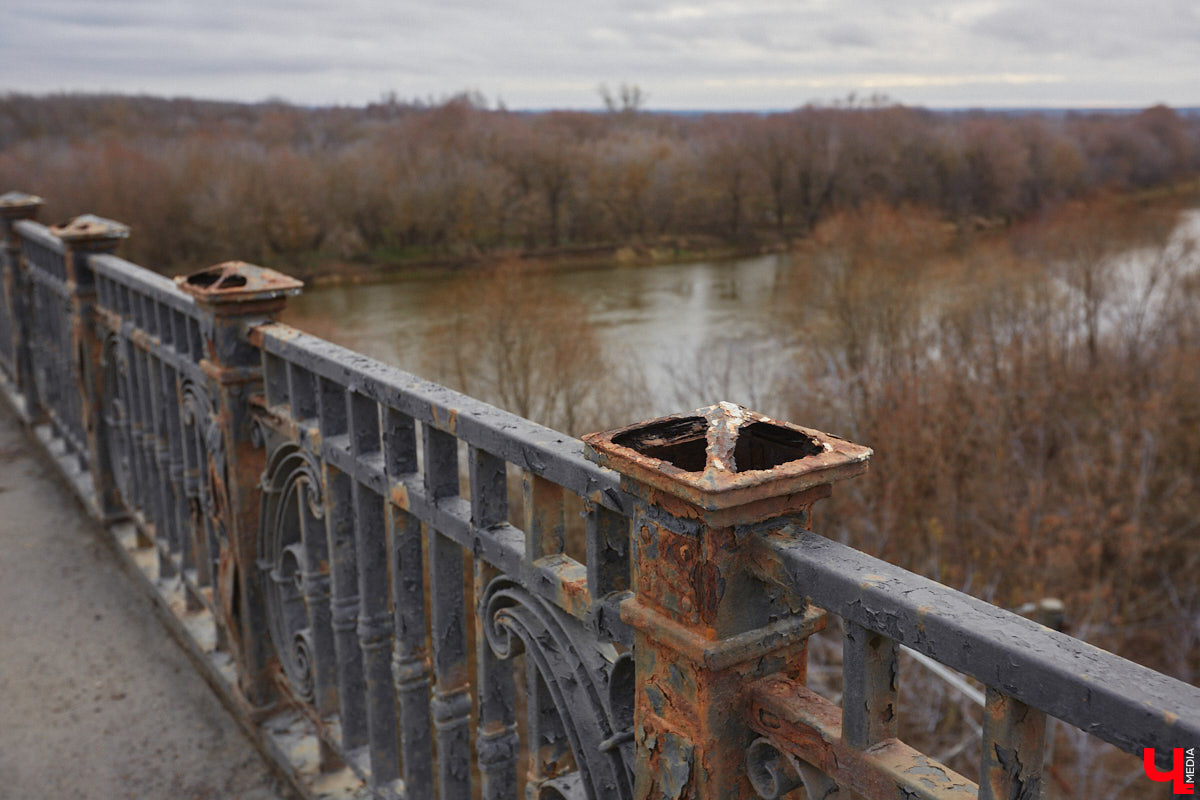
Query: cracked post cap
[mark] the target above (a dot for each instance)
(89, 229)
(19, 205)
(725, 455)
(238, 282)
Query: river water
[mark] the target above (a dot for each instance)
(664, 322)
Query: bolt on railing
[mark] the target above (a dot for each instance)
(336, 542)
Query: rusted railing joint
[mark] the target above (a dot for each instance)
(800, 722)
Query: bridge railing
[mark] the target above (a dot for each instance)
(404, 591)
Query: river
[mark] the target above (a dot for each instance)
(700, 319)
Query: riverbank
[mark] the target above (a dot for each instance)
(567, 259)
(317, 270)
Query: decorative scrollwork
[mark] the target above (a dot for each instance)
(291, 489)
(302, 649)
(577, 669)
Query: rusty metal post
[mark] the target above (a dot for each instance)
(1014, 742)
(235, 296)
(705, 625)
(86, 236)
(15, 206)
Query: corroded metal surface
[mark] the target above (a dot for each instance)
(724, 456)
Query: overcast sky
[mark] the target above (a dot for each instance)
(752, 54)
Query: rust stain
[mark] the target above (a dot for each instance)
(399, 496)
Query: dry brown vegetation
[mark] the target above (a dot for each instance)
(1035, 410)
(314, 189)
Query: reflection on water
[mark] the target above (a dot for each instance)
(683, 327)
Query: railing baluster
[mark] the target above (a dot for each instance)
(607, 550)
(316, 588)
(193, 475)
(545, 516)
(374, 616)
(410, 655)
(142, 421)
(496, 739)
(141, 438)
(165, 518)
(869, 670)
(1014, 742)
(549, 748)
(410, 658)
(375, 634)
(174, 431)
(302, 393)
(275, 380)
(191, 538)
(608, 556)
(545, 526)
(451, 695)
(191, 531)
(339, 522)
(154, 507)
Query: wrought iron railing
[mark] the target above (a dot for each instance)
(334, 541)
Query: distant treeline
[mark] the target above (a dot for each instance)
(201, 181)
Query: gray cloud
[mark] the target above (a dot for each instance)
(537, 53)
(848, 34)
(1099, 29)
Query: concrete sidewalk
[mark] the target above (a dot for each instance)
(96, 699)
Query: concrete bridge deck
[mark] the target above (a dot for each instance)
(97, 700)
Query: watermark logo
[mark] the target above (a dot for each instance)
(1183, 769)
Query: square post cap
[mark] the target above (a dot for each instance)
(239, 284)
(90, 231)
(19, 205)
(724, 456)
